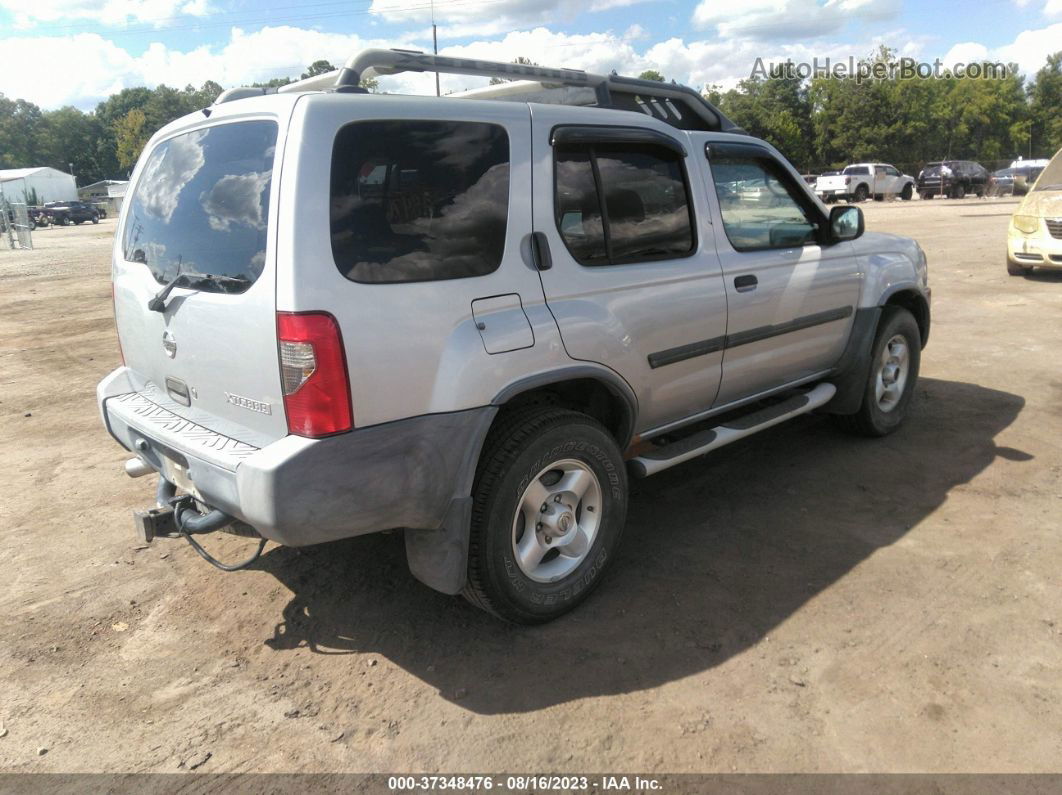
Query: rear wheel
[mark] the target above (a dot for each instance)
(895, 358)
(95, 219)
(861, 193)
(549, 505)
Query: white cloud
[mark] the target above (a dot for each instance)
(1030, 48)
(1053, 8)
(104, 68)
(787, 19)
(108, 12)
(467, 18)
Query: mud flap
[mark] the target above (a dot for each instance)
(439, 558)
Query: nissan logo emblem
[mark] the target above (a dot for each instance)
(169, 344)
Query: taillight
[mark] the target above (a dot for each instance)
(313, 373)
(117, 335)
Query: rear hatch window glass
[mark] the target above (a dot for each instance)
(419, 200)
(201, 204)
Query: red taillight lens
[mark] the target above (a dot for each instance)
(313, 372)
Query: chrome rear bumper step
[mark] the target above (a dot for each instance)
(705, 441)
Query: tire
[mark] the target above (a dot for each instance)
(877, 416)
(879, 197)
(32, 225)
(861, 193)
(907, 192)
(95, 219)
(527, 457)
(958, 192)
(1014, 269)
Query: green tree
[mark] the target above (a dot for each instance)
(69, 136)
(317, 68)
(130, 136)
(652, 74)
(776, 110)
(21, 125)
(1045, 107)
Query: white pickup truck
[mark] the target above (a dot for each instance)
(860, 181)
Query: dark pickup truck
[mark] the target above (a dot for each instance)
(63, 213)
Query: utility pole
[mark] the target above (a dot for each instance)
(434, 43)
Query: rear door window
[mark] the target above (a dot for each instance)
(201, 206)
(418, 200)
(622, 203)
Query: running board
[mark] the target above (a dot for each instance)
(738, 428)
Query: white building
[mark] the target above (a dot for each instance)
(37, 185)
(109, 192)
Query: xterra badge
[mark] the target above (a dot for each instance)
(247, 403)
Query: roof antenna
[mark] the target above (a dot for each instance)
(434, 44)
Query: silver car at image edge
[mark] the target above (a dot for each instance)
(476, 317)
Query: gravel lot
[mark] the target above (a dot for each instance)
(801, 601)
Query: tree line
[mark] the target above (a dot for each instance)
(817, 123)
(827, 122)
(104, 143)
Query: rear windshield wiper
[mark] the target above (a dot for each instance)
(196, 280)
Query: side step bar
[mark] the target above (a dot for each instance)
(705, 441)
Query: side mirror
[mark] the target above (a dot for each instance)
(846, 223)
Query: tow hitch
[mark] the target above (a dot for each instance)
(176, 516)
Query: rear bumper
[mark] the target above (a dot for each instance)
(299, 491)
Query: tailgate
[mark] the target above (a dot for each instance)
(201, 213)
(831, 183)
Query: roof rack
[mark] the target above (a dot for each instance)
(678, 105)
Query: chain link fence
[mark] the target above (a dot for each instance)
(15, 225)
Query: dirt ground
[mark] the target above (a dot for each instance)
(802, 601)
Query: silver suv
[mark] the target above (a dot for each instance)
(475, 317)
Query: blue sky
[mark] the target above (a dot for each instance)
(79, 51)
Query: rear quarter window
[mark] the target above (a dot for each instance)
(201, 204)
(415, 201)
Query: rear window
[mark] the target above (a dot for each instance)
(201, 204)
(857, 170)
(419, 201)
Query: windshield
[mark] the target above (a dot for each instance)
(201, 205)
(1051, 177)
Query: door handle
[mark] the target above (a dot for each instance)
(540, 251)
(745, 283)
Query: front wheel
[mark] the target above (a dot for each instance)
(895, 359)
(958, 192)
(549, 505)
(907, 192)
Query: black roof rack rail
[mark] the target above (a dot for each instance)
(675, 104)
